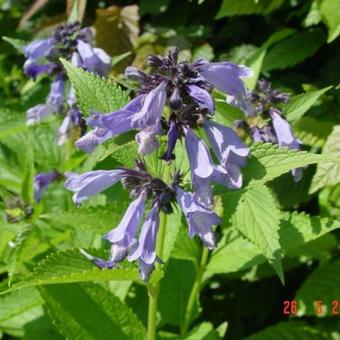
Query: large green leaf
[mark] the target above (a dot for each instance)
(235, 253)
(328, 173)
(71, 266)
(95, 93)
(88, 311)
(322, 285)
(299, 105)
(175, 290)
(292, 50)
(256, 217)
(269, 161)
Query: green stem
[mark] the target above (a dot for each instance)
(195, 291)
(153, 289)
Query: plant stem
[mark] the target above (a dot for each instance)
(195, 291)
(153, 289)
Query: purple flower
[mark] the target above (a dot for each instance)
(146, 139)
(91, 183)
(285, 137)
(144, 250)
(41, 182)
(226, 144)
(203, 170)
(92, 59)
(109, 125)
(225, 76)
(33, 69)
(199, 218)
(202, 97)
(283, 131)
(173, 136)
(72, 119)
(56, 96)
(152, 107)
(38, 49)
(38, 112)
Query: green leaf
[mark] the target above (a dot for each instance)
(175, 290)
(246, 7)
(11, 122)
(70, 266)
(330, 14)
(16, 303)
(95, 93)
(292, 50)
(291, 330)
(257, 218)
(269, 161)
(88, 311)
(312, 131)
(328, 173)
(204, 331)
(299, 105)
(16, 43)
(87, 218)
(235, 253)
(323, 284)
(27, 190)
(125, 154)
(255, 63)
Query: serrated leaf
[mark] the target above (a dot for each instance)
(246, 7)
(323, 284)
(87, 218)
(125, 154)
(95, 93)
(70, 266)
(328, 173)
(269, 161)
(235, 253)
(88, 311)
(299, 105)
(11, 122)
(291, 330)
(292, 50)
(330, 14)
(257, 219)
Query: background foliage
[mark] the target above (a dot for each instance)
(52, 291)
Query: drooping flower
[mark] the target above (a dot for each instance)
(42, 181)
(204, 171)
(145, 249)
(91, 183)
(225, 76)
(199, 218)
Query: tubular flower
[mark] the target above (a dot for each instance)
(129, 240)
(42, 181)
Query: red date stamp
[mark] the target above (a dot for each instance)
(290, 307)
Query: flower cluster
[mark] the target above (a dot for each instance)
(264, 121)
(185, 88)
(72, 43)
(143, 188)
